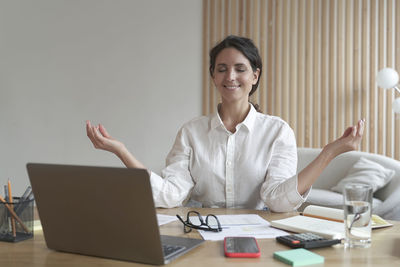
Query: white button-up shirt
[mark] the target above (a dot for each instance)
(253, 168)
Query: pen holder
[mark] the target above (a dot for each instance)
(16, 220)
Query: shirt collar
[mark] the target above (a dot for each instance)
(216, 120)
(248, 121)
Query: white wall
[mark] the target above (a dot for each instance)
(134, 66)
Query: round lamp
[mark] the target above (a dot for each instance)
(387, 78)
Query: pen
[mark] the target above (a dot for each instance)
(6, 197)
(23, 201)
(5, 192)
(14, 215)
(25, 194)
(24, 204)
(12, 207)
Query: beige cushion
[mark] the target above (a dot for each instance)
(390, 208)
(366, 172)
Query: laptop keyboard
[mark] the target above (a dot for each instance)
(171, 249)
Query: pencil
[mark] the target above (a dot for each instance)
(14, 215)
(12, 207)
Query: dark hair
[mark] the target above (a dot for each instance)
(246, 47)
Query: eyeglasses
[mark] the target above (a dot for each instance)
(211, 223)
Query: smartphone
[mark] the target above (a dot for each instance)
(241, 247)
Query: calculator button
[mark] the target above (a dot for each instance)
(306, 240)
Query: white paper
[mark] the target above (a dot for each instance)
(164, 219)
(320, 211)
(302, 224)
(234, 220)
(241, 225)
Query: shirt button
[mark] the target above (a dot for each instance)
(229, 163)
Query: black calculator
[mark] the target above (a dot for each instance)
(307, 240)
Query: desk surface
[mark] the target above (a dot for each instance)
(385, 249)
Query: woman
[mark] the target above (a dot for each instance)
(237, 157)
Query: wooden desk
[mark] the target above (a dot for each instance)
(385, 249)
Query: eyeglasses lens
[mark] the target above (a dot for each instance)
(212, 222)
(195, 218)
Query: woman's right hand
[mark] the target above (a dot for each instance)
(102, 140)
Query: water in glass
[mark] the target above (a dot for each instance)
(357, 223)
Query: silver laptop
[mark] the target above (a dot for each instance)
(102, 211)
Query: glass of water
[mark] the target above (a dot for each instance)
(357, 214)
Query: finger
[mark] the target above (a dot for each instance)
(96, 133)
(347, 131)
(89, 129)
(91, 135)
(361, 124)
(98, 140)
(354, 131)
(88, 125)
(103, 131)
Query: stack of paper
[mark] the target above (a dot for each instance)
(241, 225)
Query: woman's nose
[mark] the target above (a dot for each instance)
(231, 75)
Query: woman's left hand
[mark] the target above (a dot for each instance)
(350, 140)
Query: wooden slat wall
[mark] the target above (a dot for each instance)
(320, 61)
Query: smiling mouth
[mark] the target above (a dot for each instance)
(232, 87)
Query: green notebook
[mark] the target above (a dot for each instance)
(298, 257)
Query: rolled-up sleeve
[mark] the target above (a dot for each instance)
(279, 190)
(173, 187)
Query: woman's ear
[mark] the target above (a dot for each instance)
(213, 79)
(211, 72)
(256, 75)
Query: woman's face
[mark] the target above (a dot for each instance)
(233, 75)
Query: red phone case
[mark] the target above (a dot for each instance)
(239, 254)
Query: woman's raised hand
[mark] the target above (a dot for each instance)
(350, 140)
(102, 140)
